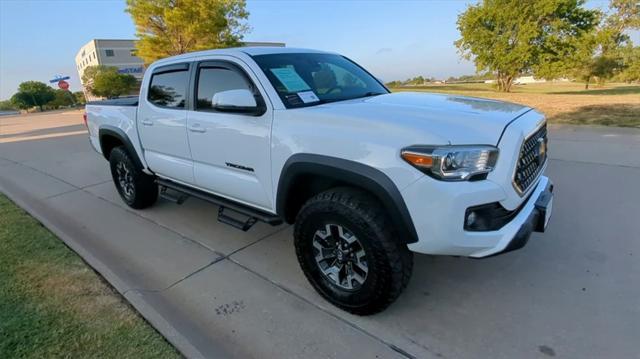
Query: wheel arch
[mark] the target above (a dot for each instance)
(111, 137)
(305, 175)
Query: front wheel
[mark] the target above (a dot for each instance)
(136, 188)
(348, 251)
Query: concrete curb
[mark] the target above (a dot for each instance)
(67, 231)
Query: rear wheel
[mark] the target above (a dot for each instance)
(136, 188)
(348, 251)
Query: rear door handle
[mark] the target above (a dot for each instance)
(197, 128)
(147, 122)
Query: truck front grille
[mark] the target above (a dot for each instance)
(533, 156)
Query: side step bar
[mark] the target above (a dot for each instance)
(171, 198)
(234, 222)
(253, 215)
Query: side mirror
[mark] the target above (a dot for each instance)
(240, 100)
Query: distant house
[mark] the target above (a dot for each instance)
(527, 80)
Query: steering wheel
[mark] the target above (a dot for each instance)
(331, 89)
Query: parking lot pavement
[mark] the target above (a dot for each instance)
(215, 291)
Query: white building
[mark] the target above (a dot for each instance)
(527, 80)
(109, 52)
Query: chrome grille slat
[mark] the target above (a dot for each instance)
(531, 160)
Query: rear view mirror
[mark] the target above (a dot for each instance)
(240, 100)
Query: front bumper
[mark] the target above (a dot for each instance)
(536, 221)
(438, 210)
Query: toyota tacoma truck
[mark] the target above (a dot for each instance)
(310, 138)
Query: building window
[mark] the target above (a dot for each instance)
(109, 53)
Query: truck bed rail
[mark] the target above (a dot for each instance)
(121, 101)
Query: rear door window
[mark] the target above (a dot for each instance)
(169, 89)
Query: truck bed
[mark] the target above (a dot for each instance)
(121, 101)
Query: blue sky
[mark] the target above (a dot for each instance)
(393, 39)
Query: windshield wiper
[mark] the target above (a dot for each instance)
(373, 93)
(366, 94)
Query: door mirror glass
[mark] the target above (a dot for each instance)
(240, 100)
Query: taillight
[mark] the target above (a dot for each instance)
(84, 118)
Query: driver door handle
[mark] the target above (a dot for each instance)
(197, 128)
(146, 122)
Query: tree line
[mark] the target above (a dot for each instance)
(551, 39)
(422, 80)
(38, 94)
(101, 81)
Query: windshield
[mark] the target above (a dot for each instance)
(307, 79)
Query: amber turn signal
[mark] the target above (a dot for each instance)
(418, 159)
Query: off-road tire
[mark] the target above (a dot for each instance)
(142, 190)
(389, 261)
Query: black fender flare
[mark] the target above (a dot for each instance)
(122, 137)
(352, 173)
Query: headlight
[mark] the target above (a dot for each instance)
(452, 163)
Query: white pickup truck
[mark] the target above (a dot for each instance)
(309, 137)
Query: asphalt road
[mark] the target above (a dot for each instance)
(213, 291)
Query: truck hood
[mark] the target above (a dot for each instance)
(452, 119)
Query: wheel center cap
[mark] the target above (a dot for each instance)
(340, 255)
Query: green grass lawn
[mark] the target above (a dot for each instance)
(53, 305)
(562, 102)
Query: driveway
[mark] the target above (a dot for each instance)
(214, 291)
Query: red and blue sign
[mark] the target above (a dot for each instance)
(61, 81)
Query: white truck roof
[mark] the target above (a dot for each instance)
(249, 50)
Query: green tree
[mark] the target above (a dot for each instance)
(171, 27)
(614, 48)
(469, 78)
(7, 105)
(62, 98)
(631, 60)
(626, 14)
(602, 53)
(79, 97)
(394, 83)
(32, 93)
(90, 73)
(106, 81)
(512, 37)
(418, 80)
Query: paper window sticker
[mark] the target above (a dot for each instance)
(308, 97)
(290, 79)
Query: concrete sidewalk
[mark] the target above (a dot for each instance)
(214, 291)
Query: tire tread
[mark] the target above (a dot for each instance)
(146, 188)
(364, 209)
